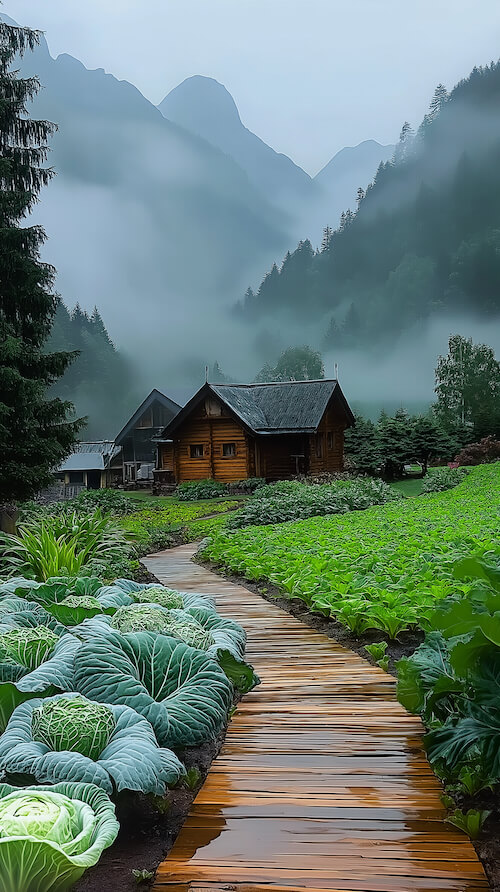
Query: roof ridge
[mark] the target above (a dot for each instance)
(275, 383)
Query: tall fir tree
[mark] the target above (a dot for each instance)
(35, 433)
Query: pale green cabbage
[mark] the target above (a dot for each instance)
(50, 835)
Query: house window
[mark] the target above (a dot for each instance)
(228, 449)
(319, 446)
(330, 440)
(196, 451)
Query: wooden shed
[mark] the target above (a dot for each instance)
(136, 439)
(234, 431)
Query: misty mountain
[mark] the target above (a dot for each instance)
(204, 107)
(424, 242)
(144, 218)
(351, 168)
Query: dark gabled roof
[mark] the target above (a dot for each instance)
(275, 408)
(153, 396)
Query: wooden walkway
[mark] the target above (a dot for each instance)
(322, 782)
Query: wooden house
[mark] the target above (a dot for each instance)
(234, 431)
(136, 439)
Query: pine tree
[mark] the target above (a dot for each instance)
(327, 238)
(441, 96)
(35, 434)
(404, 148)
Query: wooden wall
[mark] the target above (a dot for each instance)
(276, 456)
(327, 446)
(210, 426)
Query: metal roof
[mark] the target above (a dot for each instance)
(284, 407)
(94, 456)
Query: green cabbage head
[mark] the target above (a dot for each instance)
(27, 647)
(159, 594)
(153, 618)
(142, 618)
(86, 601)
(50, 835)
(75, 725)
(34, 661)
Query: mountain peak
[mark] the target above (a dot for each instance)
(202, 105)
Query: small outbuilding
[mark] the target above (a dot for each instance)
(235, 431)
(136, 439)
(90, 466)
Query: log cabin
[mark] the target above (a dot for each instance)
(235, 431)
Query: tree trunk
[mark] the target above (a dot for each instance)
(8, 519)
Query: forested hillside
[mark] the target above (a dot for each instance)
(423, 239)
(99, 382)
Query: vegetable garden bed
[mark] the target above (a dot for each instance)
(109, 695)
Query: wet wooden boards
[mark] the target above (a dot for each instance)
(322, 783)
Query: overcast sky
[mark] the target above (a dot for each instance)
(308, 76)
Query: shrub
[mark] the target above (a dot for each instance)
(288, 500)
(442, 479)
(248, 485)
(108, 500)
(487, 450)
(192, 490)
(50, 835)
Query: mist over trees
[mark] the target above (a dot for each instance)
(423, 240)
(100, 381)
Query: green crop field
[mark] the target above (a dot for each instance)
(383, 568)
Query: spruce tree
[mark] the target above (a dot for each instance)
(35, 433)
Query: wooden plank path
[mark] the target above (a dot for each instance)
(322, 782)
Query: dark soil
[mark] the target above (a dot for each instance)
(149, 826)
(488, 845)
(143, 575)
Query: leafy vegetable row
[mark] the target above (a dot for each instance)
(383, 568)
(101, 689)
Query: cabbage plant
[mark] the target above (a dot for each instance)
(138, 591)
(33, 662)
(200, 627)
(154, 618)
(70, 601)
(159, 594)
(50, 835)
(183, 693)
(68, 737)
